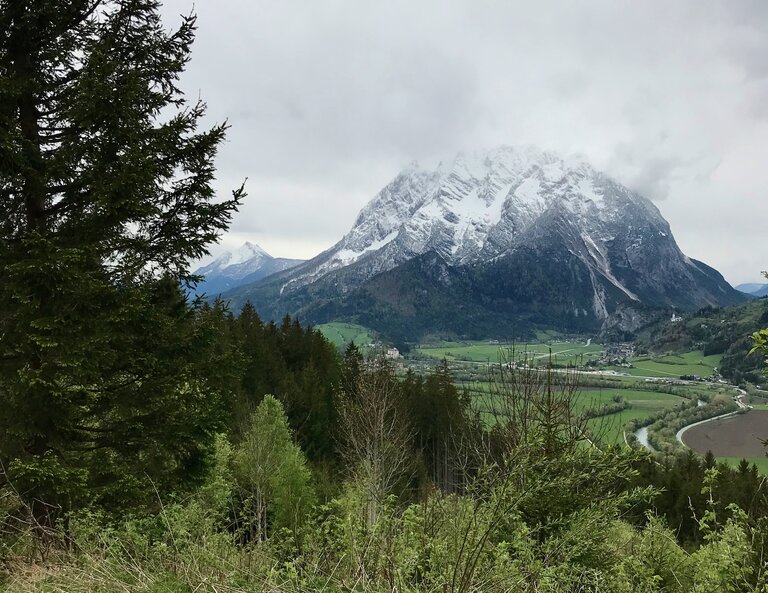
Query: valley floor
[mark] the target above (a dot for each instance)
(648, 384)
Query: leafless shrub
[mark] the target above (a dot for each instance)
(376, 437)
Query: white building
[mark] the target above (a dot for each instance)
(393, 353)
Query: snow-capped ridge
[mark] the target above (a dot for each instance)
(471, 208)
(245, 253)
(517, 235)
(248, 263)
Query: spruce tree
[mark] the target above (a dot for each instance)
(106, 196)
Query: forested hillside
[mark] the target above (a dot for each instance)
(350, 478)
(726, 331)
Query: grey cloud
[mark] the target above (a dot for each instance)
(747, 12)
(328, 100)
(655, 177)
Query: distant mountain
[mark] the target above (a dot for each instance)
(757, 290)
(503, 241)
(248, 264)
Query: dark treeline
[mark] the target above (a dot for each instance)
(312, 381)
(685, 495)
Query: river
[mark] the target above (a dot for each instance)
(642, 438)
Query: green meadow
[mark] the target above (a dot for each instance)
(760, 462)
(562, 352)
(341, 334)
(646, 400)
(673, 365)
(609, 428)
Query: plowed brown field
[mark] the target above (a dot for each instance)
(737, 436)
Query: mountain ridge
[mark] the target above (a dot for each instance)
(499, 219)
(753, 289)
(248, 264)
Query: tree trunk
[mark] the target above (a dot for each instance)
(22, 54)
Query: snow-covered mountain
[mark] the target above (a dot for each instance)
(248, 264)
(518, 225)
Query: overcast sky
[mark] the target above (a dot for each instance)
(328, 100)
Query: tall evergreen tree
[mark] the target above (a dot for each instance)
(352, 367)
(106, 195)
(441, 421)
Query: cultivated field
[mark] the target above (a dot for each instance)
(609, 428)
(673, 365)
(562, 352)
(738, 436)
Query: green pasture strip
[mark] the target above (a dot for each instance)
(591, 398)
(484, 351)
(610, 429)
(633, 395)
(598, 393)
(760, 462)
(697, 357)
(673, 365)
(341, 334)
(642, 399)
(587, 378)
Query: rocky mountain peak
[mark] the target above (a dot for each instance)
(247, 252)
(525, 231)
(479, 206)
(248, 263)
